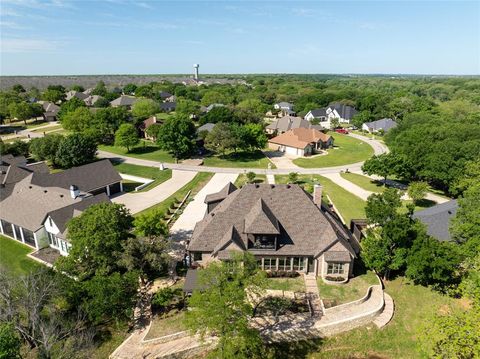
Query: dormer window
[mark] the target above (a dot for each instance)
(265, 241)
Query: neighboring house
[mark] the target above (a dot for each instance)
(437, 219)
(125, 101)
(165, 95)
(385, 125)
(211, 107)
(206, 127)
(168, 106)
(88, 91)
(172, 98)
(29, 195)
(91, 100)
(80, 95)
(281, 225)
(287, 123)
(50, 111)
(301, 142)
(324, 116)
(147, 123)
(284, 108)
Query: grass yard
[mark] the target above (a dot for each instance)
(364, 182)
(355, 288)
(129, 186)
(195, 185)
(347, 150)
(413, 306)
(242, 179)
(48, 129)
(11, 140)
(349, 205)
(110, 340)
(164, 115)
(13, 257)
(254, 159)
(145, 150)
(287, 284)
(170, 323)
(145, 172)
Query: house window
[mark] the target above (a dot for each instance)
(197, 256)
(335, 268)
(259, 263)
(52, 240)
(298, 263)
(284, 263)
(50, 221)
(270, 263)
(263, 241)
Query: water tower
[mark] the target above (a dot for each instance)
(195, 69)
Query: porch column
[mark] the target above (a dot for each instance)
(263, 264)
(14, 233)
(108, 191)
(306, 265)
(21, 234)
(291, 264)
(1, 227)
(121, 187)
(315, 266)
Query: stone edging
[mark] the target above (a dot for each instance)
(166, 338)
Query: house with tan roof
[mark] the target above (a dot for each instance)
(35, 205)
(301, 142)
(283, 226)
(287, 123)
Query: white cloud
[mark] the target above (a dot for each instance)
(303, 12)
(17, 45)
(12, 25)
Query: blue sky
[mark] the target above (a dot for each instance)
(136, 37)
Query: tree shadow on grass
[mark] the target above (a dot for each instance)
(425, 203)
(242, 156)
(143, 149)
(297, 350)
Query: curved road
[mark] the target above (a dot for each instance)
(378, 148)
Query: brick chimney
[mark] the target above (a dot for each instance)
(317, 194)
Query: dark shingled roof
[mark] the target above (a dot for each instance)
(305, 229)
(289, 122)
(345, 111)
(319, 112)
(224, 192)
(437, 219)
(337, 256)
(82, 177)
(385, 124)
(168, 106)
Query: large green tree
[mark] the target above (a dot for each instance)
(75, 150)
(223, 308)
(9, 342)
(144, 108)
(126, 136)
(221, 138)
(78, 120)
(45, 148)
(177, 136)
(382, 207)
(97, 237)
(383, 165)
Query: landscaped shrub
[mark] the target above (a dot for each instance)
(281, 306)
(334, 279)
(282, 274)
(166, 298)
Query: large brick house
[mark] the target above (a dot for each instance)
(281, 225)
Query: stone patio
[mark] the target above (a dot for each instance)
(46, 255)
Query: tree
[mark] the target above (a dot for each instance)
(455, 334)
(177, 136)
(77, 88)
(431, 262)
(255, 106)
(53, 95)
(221, 138)
(223, 307)
(383, 207)
(9, 342)
(45, 148)
(144, 108)
(292, 177)
(219, 114)
(70, 106)
(334, 123)
(187, 108)
(18, 88)
(16, 148)
(21, 111)
(103, 102)
(129, 89)
(385, 248)
(75, 150)
(146, 255)
(103, 229)
(417, 191)
(382, 165)
(251, 136)
(126, 136)
(361, 117)
(470, 176)
(153, 130)
(106, 122)
(100, 89)
(151, 224)
(212, 96)
(78, 120)
(251, 177)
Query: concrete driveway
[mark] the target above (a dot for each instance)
(281, 159)
(137, 202)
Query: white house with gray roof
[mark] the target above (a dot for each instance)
(336, 110)
(385, 125)
(36, 205)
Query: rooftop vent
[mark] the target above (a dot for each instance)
(272, 186)
(256, 185)
(30, 187)
(45, 191)
(288, 186)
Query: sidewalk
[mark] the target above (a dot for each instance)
(349, 186)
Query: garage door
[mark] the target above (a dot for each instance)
(114, 188)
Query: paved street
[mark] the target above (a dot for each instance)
(138, 201)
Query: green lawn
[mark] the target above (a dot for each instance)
(363, 181)
(145, 150)
(195, 185)
(170, 323)
(349, 205)
(129, 186)
(413, 306)
(13, 257)
(239, 160)
(145, 172)
(242, 179)
(48, 129)
(347, 150)
(355, 288)
(287, 284)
